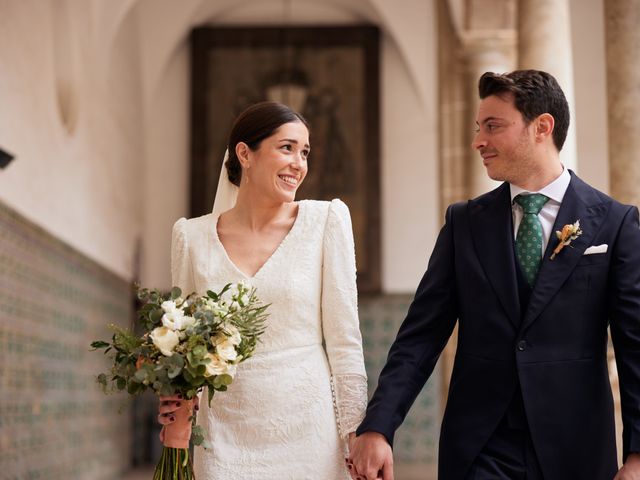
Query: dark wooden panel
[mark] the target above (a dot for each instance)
(231, 68)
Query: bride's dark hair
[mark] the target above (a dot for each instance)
(253, 125)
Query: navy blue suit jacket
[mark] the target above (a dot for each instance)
(556, 350)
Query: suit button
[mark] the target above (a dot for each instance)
(522, 345)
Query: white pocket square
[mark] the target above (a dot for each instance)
(596, 249)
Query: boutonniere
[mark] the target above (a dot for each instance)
(568, 234)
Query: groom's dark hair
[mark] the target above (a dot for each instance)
(534, 92)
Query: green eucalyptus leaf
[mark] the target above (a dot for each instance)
(141, 375)
(197, 435)
(156, 316)
(134, 388)
(99, 344)
(199, 352)
(166, 390)
(174, 371)
(102, 381)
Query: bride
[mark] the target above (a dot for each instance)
(293, 407)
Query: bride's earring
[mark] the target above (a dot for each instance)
(246, 175)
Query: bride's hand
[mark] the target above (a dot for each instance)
(353, 474)
(168, 407)
(350, 440)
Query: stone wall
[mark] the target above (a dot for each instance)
(55, 423)
(416, 442)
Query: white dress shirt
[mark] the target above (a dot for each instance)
(547, 216)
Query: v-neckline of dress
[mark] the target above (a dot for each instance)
(280, 246)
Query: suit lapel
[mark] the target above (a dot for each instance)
(580, 202)
(492, 232)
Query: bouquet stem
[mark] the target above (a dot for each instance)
(175, 464)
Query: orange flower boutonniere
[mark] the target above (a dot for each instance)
(568, 234)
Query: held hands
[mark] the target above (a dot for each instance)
(370, 457)
(631, 468)
(174, 415)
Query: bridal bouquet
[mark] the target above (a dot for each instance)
(188, 344)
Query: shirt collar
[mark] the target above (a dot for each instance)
(555, 190)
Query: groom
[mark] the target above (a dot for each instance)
(529, 396)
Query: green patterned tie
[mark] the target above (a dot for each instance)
(529, 237)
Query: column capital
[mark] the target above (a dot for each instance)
(486, 48)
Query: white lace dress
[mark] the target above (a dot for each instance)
(292, 404)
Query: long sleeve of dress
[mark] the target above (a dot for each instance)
(340, 319)
(181, 268)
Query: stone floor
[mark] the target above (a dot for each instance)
(415, 472)
(140, 474)
(401, 472)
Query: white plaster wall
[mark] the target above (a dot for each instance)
(83, 186)
(410, 181)
(410, 218)
(167, 166)
(589, 64)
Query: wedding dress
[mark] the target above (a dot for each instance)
(290, 407)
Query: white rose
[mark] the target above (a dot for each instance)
(165, 339)
(174, 319)
(229, 334)
(168, 306)
(233, 333)
(218, 366)
(188, 321)
(226, 350)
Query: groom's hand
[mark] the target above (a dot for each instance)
(631, 468)
(372, 457)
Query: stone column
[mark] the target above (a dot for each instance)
(485, 51)
(622, 18)
(544, 43)
(462, 173)
(453, 113)
(454, 118)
